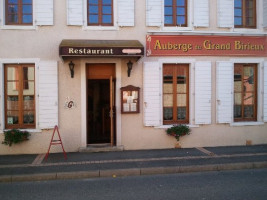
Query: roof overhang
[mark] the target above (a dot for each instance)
(101, 48)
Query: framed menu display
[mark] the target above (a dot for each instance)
(130, 96)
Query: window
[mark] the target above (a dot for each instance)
(175, 93)
(175, 13)
(245, 13)
(18, 12)
(19, 96)
(245, 92)
(100, 12)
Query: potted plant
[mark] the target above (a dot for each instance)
(178, 130)
(15, 136)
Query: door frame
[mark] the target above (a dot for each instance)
(83, 62)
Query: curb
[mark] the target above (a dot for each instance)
(130, 172)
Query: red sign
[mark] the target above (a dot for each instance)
(199, 45)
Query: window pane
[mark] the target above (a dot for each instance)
(248, 79)
(168, 10)
(28, 102)
(248, 112)
(106, 10)
(28, 73)
(238, 12)
(28, 88)
(26, 1)
(93, 9)
(238, 21)
(167, 114)
(93, 1)
(28, 117)
(168, 20)
(237, 99)
(180, 3)
(106, 19)
(27, 9)
(180, 11)
(13, 1)
(12, 9)
(167, 88)
(250, 22)
(181, 113)
(93, 19)
(107, 2)
(12, 103)
(12, 88)
(27, 19)
(167, 100)
(168, 2)
(180, 20)
(12, 74)
(12, 117)
(237, 111)
(13, 19)
(238, 3)
(248, 99)
(181, 100)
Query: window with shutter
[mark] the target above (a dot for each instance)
(175, 93)
(175, 13)
(245, 13)
(19, 96)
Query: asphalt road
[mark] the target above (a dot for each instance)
(225, 185)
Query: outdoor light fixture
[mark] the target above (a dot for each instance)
(129, 66)
(71, 66)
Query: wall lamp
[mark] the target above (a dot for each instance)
(130, 67)
(71, 66)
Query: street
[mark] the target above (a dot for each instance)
(239, 184)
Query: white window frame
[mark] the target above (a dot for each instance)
(260, 101)
(34, 61)
(190, 16)
(191, 63)
(101, 28)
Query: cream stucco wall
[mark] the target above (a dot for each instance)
(43, 43)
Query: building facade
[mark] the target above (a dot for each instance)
(120, 72)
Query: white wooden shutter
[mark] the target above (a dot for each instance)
(1, 97)
(75, 12)
(154, 14)
(44, 12)
(1, 12)
(48, 94)
(152, 94)
(225, 12)
(201, 13)
(224, 91)
(264, 13)
(126, 12)
(203, 92)
(265, 93)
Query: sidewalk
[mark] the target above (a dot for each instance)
(127, 163)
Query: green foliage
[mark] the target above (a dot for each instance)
(178, 130)
(15, 136)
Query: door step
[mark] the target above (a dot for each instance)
(100, 148)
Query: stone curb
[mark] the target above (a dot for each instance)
(130, 172)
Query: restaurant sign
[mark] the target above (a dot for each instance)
(197, 45)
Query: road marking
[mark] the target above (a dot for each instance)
(38, 160)
(206, 151)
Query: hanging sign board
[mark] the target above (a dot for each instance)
(197, 45)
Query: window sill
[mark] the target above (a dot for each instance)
(246, 123)
(29, 130)
(175, 29)
(169, 126)
(100, 28)
(18, 27)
